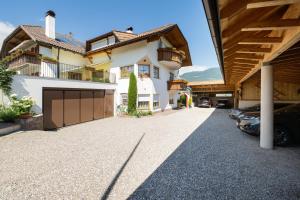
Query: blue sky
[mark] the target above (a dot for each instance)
(87, 19)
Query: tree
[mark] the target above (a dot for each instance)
(132, 93)
(6, 78)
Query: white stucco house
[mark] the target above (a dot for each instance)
(154, 56)
(73, 82)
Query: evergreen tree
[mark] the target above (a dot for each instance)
(132, 94)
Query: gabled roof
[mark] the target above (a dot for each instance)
(37, 34)
(124, 38)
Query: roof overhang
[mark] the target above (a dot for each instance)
(173, 34)
(248, 33)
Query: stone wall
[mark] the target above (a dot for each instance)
(33, 123)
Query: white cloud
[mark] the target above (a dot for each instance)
(193, 68)
(5, 29)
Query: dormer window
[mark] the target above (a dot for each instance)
(103, 42)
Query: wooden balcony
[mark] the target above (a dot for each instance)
(177, 85)
(170, 57)
(23, 59)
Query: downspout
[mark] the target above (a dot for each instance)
(57, 64)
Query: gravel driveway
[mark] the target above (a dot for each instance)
(194, 154)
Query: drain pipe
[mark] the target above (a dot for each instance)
(57, 64)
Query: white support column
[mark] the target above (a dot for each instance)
(266, 113)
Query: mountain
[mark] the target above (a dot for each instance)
(204, 75)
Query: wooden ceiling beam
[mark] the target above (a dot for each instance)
(254, 50)
(232, 8)
(267, 3)
(272, 25)
(234, 40)
(245, 61)
(240, 48)
(249, 56)
(246, 18)
(243, 56)
(261, 40)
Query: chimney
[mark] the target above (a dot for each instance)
(50, 24)
(129, 29)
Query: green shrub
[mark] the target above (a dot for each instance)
(183, 100)
(6, 78)
(132, 94)
(8, 114)
(190, 101)
(139, 113)
(21, 106)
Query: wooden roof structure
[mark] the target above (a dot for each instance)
(37, 34)
(211, 86)
(248, 33)
(171, 32)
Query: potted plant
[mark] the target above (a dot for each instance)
(22, 106)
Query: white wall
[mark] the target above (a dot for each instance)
(66, 57)
(131, 55)
(33, 87)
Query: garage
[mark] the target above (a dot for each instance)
(65, 107)
(257, 44)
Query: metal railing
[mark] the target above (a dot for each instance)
(64, 71)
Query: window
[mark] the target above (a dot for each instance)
(104, 42)
(74, 76)
(126, 71)
(143, 101)
(156, 72)
(156, 101)
(111, 40)
(224, 95)
(98, 75)
(171, 101)
(144, 71)
(99, 44)
(124, 97)
(171, 76)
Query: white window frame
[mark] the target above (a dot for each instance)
(158, 75)
(156, 99)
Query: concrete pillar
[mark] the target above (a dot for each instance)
(266, 113)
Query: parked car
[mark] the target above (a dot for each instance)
(223, 103)
(286, 125)
(234, 113)
(255, 111)
(205, 102)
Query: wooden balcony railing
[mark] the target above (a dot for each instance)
(177, 84)
(171, 57)
(25, 58)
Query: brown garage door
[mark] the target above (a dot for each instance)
(63, 107)
(71, 107)
(86, 106)
(99, 104)
(109, 103)
(53, 109)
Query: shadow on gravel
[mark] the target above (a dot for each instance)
(114, 180)
(218, 161)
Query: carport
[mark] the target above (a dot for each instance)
(258, 40)
(214, 89)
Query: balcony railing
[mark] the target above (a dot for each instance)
(23, 59)
(65, 71)
(171, 57)
(177, 84)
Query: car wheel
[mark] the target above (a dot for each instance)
(281, 136)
